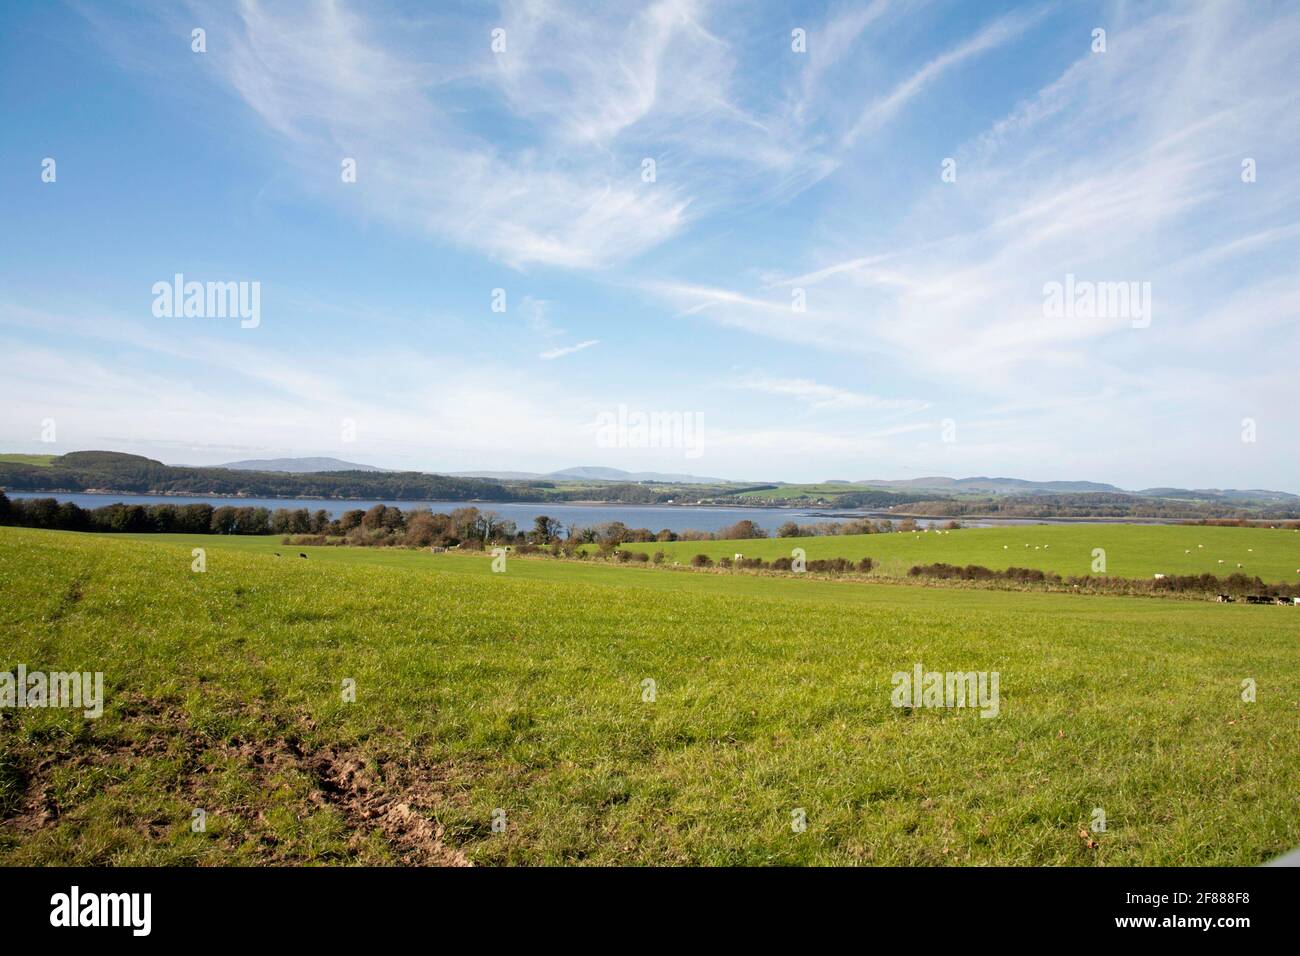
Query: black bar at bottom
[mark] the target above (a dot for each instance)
(942, 905)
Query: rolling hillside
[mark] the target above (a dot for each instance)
(522, 698)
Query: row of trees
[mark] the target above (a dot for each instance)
(187, 519)
(387, 525)
(819, 566)
(854, 526)
(1234, 584)
(613, 533)
(381, 524)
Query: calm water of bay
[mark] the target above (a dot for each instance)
(654, 517)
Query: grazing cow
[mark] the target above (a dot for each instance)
(1225, 598)
(301, 555)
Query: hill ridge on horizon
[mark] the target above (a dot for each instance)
(295, 466)
(994, 485)
(305, 465)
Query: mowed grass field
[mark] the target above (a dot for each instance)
(1132, 551)
(518, 698)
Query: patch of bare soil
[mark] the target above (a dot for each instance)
(391, 796)
(394, 810)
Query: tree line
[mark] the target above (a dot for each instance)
(1233, 584)
(388, 525)
(380, 524)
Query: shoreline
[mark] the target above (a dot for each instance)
(576, 502)
(807, 514)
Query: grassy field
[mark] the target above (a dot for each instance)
(1132, 551)
(40, 461)
(518, 697)
(801, 491)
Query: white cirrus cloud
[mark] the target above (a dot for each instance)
(545, 167)
(562, 351)
(821, 396)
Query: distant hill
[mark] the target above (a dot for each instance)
(1020, 486)
(1218, 494)
(996, 486)
(499, 475)
(593, 473)
(297, 466)
(108, 471)
(597, 473)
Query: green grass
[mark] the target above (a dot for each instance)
(39, 461)
(522, 691)
(1132, 551)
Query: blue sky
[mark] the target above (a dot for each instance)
(923, 348)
